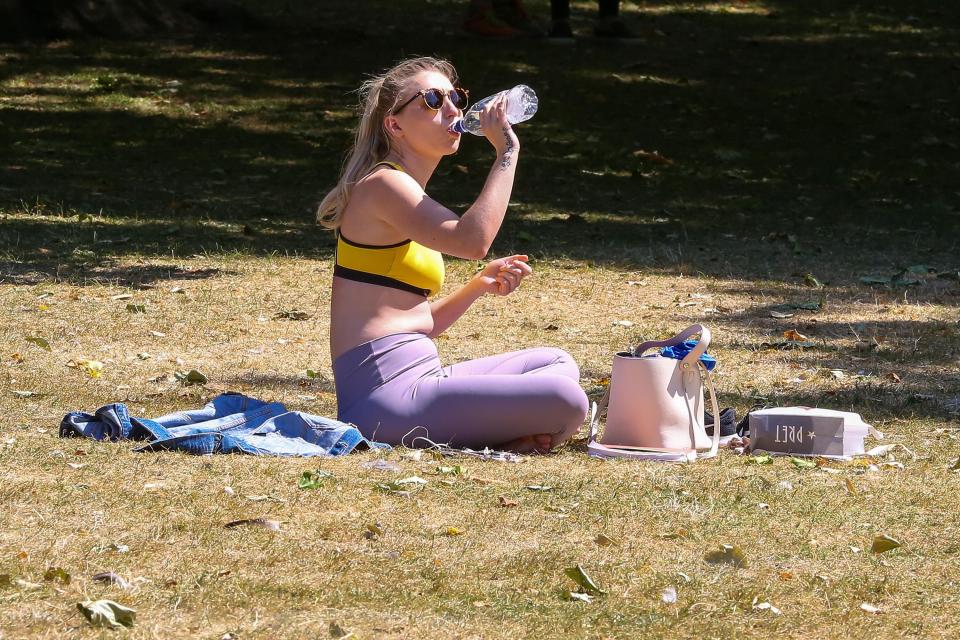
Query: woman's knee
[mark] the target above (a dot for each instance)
(571, 406)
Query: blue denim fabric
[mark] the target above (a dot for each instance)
(230, 423)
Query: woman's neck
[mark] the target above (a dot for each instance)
(418, 167)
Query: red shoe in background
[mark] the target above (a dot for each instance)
(482, 20)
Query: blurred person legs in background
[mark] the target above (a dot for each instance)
(608, 24)
(499, 19)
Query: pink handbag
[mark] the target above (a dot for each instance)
(655, 405)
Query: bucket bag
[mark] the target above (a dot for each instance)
(654, 405)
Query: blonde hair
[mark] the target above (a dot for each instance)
(379, 96)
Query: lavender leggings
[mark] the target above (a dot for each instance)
(389, 386)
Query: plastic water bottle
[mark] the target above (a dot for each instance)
(521, 105)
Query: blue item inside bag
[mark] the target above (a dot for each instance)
(680, 351)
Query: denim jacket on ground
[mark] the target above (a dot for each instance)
(230, 423)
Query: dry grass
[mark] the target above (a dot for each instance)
(504, 574)
(193, 199)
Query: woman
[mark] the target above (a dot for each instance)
(391, 235)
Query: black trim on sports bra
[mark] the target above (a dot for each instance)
(372, 278)
(372, 246)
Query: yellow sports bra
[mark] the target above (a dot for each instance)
(406, 265)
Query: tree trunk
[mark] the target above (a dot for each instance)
(116, 18)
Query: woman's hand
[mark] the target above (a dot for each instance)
(496, 127)
(503, 275)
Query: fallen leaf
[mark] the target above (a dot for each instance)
(106, 613)
(869, 608)
(122, 296)
(375, 530)
(158, 334)
(506, 502)
(338, 633)
(313, 479)
(766, 606)
(457, 470)
(292, 314)
(23, 394)
(191, 377)
(884, 543)
(622, 323)
(894, 378)
(578, 575)
(539, 487)
(109, 577)
(811, 281)
(780, 315)
(582, 597)
(795, 336)
(764, 458)
(27, 586)
(93, 368)
(40, 342)
(727, 554)
(454, 531)
(604, 540)
(263, 523)
(416, 480)
(56, 574)
(800, 463)
(652, 156)
(848, 484)
(395, 489)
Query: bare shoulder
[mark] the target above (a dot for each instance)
(374, 204)
(390, 186)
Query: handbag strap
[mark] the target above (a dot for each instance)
(691, 454)
(681, 337)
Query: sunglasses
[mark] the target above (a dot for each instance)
(433, 98)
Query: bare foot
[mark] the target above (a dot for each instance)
(539, 443)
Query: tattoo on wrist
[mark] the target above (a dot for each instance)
(508, 152)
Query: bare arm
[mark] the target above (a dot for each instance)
(448, 309)
(500, 277)
(419, 217)
(482, 221)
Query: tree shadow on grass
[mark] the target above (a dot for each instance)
(135, 276)
(828, 123)
(735, 121)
